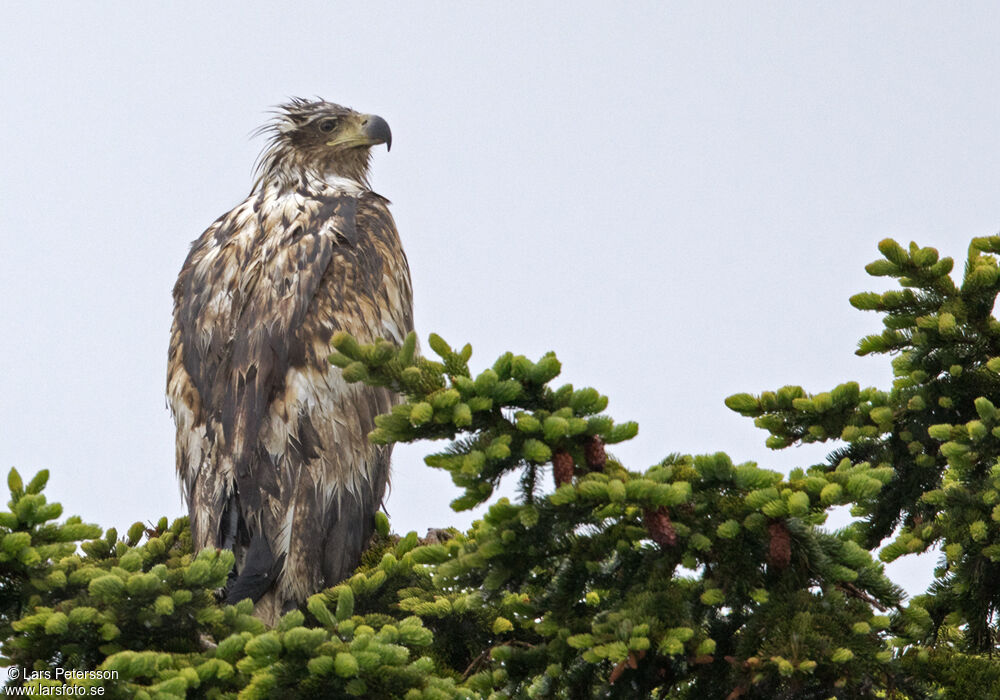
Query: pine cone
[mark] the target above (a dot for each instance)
(562, 467)
(780, 549)
(631, 661)
(661, 530)
(594, 451)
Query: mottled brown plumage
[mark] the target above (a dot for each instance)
(271, 442)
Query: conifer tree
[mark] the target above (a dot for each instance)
(937, 429)
(676, 581)
(696, 577)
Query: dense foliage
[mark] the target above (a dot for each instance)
(694, 578)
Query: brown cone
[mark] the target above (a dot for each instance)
(779, 552)
(594, 451)
(661, 530)
(562, 467)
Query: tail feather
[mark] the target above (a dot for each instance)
(260, 569)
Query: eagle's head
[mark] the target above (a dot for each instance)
(317, 139)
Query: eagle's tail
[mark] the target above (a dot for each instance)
(259, 571)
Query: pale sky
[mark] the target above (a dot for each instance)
(676, 198)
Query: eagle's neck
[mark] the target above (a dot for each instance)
(308, 180)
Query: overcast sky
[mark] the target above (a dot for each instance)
(676, 198)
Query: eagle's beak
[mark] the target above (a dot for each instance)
(377, 131)
(369, 130)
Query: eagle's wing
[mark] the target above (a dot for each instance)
(332, 481)
(273, 440)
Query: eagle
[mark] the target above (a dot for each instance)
(272, 451)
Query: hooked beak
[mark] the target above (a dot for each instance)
(377, 130)
(369, 130)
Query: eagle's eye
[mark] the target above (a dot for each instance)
(328, 125)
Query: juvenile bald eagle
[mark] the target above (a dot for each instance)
(272, 449)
